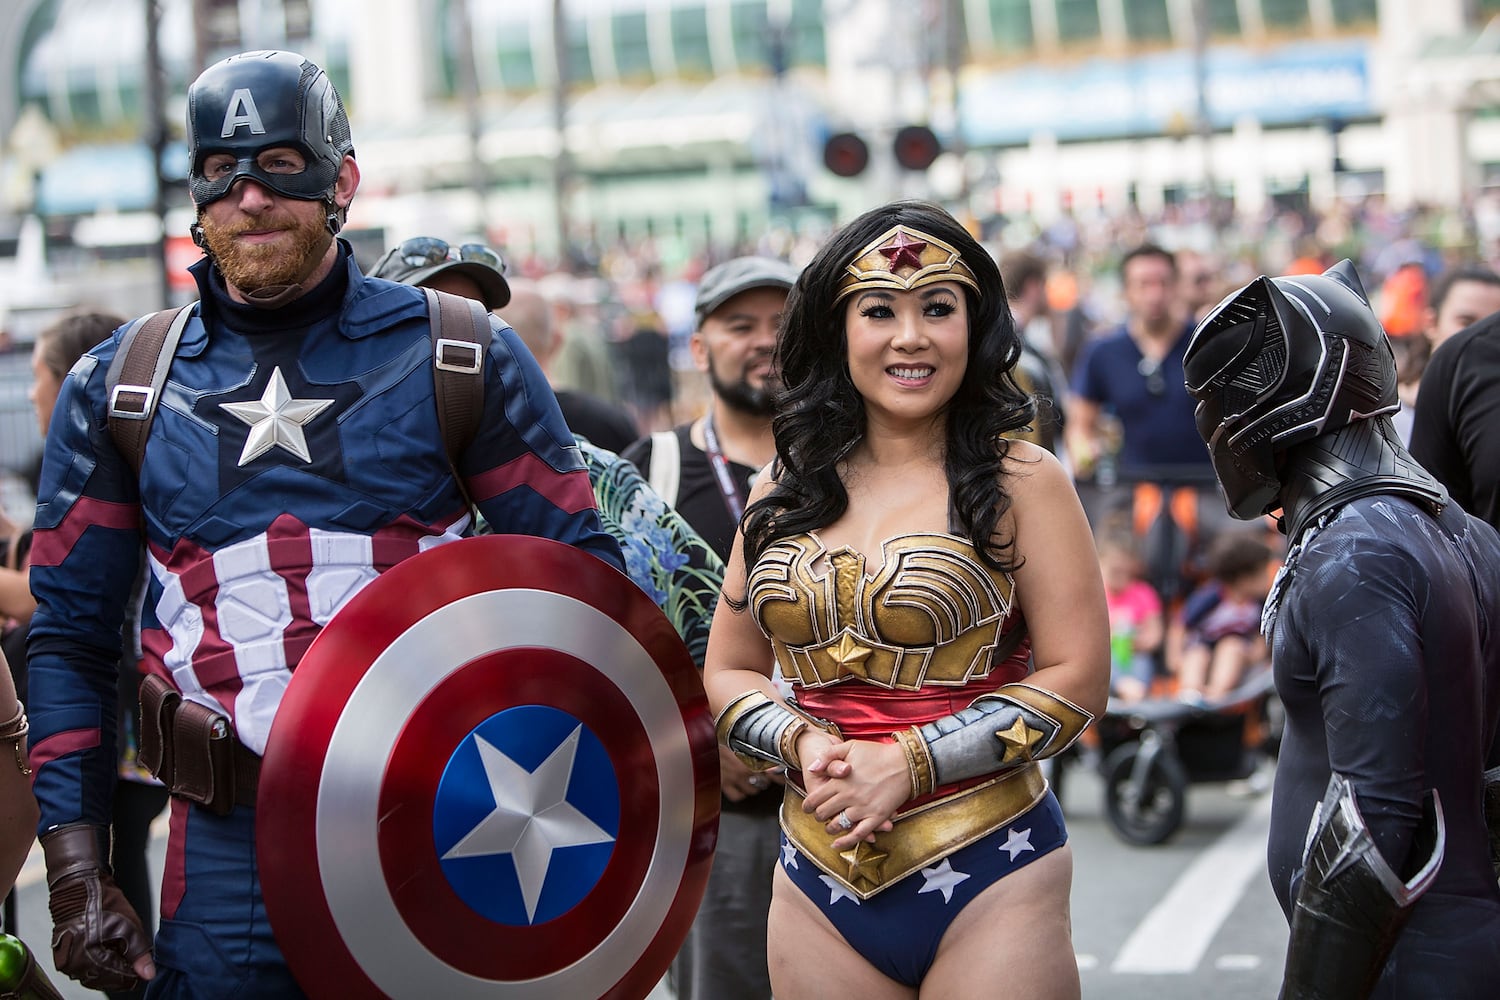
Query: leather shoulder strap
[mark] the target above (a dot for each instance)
(460, 330)
(136, 376)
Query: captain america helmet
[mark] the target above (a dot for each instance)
(1279, 362)
(255, 101)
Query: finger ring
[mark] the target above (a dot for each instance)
(756, 781)
(845, 823)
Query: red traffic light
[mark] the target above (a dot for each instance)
(916, 147)
(846, 155)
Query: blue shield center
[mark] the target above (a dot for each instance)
(526, 815)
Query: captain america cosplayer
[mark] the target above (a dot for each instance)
(294, 456)
(1385, 635)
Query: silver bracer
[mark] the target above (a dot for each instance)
(1012, 726)
(762, 732)
(1351, 905)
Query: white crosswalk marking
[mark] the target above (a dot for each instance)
(1175, 934)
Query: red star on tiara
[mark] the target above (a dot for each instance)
(903, 251)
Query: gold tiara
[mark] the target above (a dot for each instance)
(903, 259)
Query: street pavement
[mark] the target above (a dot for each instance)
(1188, 919)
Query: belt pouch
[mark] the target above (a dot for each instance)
(204, 752)
(159, 703)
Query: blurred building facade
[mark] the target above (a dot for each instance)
(701, 121)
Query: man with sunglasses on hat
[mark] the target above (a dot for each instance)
(292, 454)
(471, 269)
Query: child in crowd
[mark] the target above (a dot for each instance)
(1136, 625)
(1219, 636)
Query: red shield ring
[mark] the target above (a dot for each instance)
(493, 774)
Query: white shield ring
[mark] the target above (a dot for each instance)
(492, 775)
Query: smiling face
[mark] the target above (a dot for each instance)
(908, 350)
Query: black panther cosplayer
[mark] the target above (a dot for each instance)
(1385, 637)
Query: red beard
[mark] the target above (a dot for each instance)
(251, 267)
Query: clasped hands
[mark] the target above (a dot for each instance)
(863, 781)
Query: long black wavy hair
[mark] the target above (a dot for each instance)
(820, 416)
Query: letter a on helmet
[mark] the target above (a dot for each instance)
(241, 111)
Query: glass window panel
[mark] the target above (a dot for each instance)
(1011, 22)
(132, 105)
(747, 22)
(1147, 21)
(632, 47)
(1284, 13)
(1078, 20)
(1224, 17)
(442, 71)
(1354, 11)
(690, 41)
(807, 43)
(517, 68)
(580, 66)
(84, 104)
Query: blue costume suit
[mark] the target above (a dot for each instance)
(253, 547)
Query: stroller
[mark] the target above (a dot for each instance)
(1151, 751)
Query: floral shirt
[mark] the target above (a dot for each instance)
(663, 554)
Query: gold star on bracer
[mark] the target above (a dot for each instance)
(276, 420)
(850, 654)
(1019, 740)
(865, 863)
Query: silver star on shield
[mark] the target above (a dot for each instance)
(532, 818)
(276, 420)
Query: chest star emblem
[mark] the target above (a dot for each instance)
(276, 420)
(850, 654)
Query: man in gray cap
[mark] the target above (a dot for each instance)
(704, 468)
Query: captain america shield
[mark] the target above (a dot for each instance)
(493, 774)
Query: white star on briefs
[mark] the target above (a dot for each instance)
(836, 891)
(1018, 842)
(942, 879)
(531, 818)
(789, 855)
(276, 420)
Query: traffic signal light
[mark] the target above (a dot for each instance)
(846, 155)
(916, 147)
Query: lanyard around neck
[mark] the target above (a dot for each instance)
(733, 502)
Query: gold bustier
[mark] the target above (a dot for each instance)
(932, 615)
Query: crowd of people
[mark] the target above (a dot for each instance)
(887, 495)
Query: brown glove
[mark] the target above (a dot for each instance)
(96, 936)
